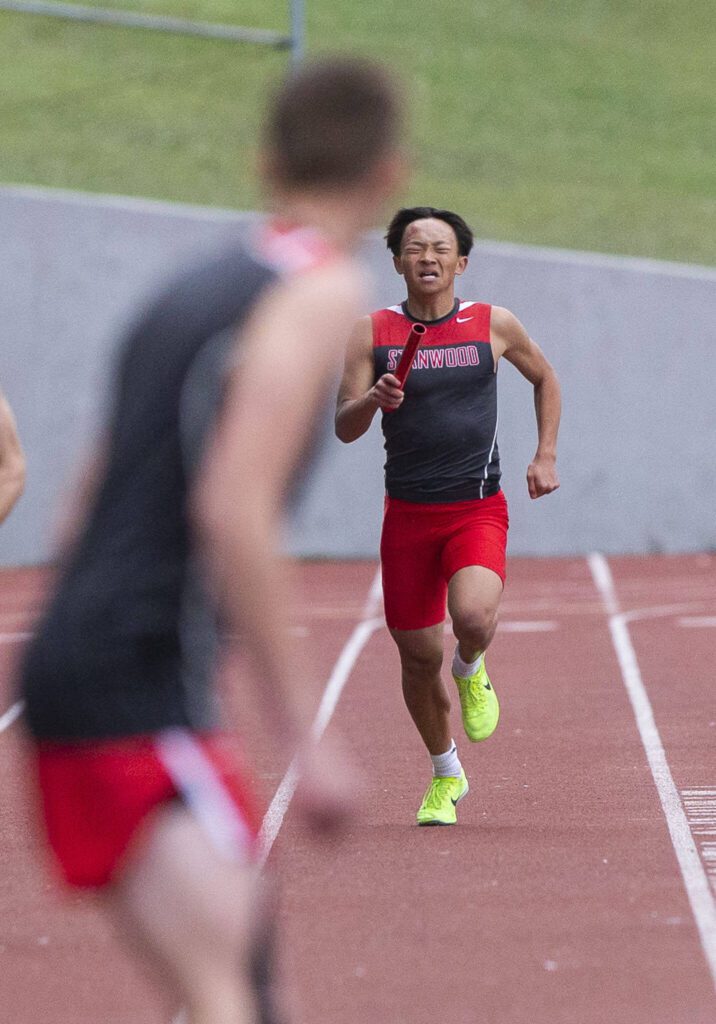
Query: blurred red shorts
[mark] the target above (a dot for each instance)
(424, 545)
(96, 796)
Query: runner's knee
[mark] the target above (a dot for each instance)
(475, 627)
(422, 663)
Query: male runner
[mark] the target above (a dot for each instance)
(445, 524)
(12, 461)
(217, 397)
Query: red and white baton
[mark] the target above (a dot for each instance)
(411, 347)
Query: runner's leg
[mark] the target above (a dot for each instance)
(414, 594)
(192, 911)
(425, 693)
(474, 595)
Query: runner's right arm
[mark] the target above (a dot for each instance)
(358, 397)
(289, 349)
(12, 460)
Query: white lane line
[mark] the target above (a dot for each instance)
(14, 712)
(659, 611)
(519, 626)
(14, 638)
(698, 621)
(342, 669)
(538, 626)
(604, 582)
(700, 806)
(11, 715)
(696, 881)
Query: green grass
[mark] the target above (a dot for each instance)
(584, 125)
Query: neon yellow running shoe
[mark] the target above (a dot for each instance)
(440, 800)
(478, 700)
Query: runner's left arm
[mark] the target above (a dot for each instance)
(12, 460)
(511, 340)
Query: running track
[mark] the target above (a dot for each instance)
(580, 884)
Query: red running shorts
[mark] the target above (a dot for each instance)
(423, 546)
(97, 795)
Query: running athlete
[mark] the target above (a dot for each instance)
(12, 461)
(217, 397)
(445, 524)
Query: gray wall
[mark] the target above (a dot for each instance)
(634, 342)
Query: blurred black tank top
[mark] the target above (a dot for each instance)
(127, 643)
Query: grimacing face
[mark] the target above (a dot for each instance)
(429, 259)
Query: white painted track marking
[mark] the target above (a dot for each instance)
(342, 669)
(700, 806)
(11, 715)
(14, 638)
(696, 882)
(659, 611)
(698, 621)
(518, 626)
(14, 712)
(538, 626)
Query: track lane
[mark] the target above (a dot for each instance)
(59, 961)
(557, 899)
(674, 670)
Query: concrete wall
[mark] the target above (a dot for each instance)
(634, 342)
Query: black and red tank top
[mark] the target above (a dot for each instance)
(441, 444)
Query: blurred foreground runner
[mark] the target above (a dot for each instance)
(445, 524)
(217, 398)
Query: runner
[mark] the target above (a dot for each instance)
(12, 461)
(445, 524)
(217, 397)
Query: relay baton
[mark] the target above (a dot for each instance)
(411, 347)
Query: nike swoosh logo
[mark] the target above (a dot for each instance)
(453, 802)
(463, 319)
(487, 686)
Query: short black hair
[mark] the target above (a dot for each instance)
(397, 226)
(332, 120)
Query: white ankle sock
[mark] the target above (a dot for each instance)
(463, 668)
(447, 764)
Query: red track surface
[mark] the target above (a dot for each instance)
(558, 899)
